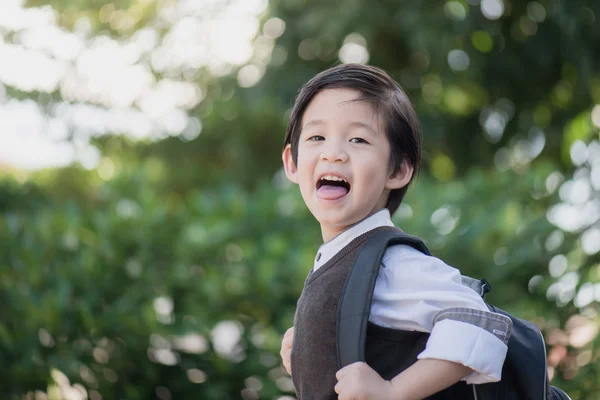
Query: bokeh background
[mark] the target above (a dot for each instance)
(150, 246)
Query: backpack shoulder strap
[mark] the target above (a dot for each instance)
(355, 303)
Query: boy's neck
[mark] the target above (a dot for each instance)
(330, 234)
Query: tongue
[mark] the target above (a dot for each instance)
(329, 192)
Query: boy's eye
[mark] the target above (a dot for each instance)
(358, 140)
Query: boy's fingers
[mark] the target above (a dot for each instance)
(286, 349)
(288, 338)
(289, 332)
(344, 390)
(348, 368)
(286, 357)
(340, 374)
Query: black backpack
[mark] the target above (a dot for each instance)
(524, 374)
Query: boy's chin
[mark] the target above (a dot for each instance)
(340, 219)
(337, 221)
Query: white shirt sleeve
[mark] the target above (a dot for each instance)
(412, 289)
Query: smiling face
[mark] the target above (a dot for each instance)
(343, 166)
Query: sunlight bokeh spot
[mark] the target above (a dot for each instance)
(274, 27)
(458, 60)
(492, 9)
(196, 375)
(455, 10)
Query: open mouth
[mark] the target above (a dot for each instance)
(332, 187)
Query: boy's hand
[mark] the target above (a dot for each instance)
(286, 349)
(359, 381)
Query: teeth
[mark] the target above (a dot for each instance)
(333, 178)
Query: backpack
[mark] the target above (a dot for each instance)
(524, 374)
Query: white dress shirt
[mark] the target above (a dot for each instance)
(411, 289)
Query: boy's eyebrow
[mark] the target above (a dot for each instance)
(315, 122)
(359, 124)
(356, 124)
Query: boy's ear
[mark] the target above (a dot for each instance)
(400, 177)
(289, 165)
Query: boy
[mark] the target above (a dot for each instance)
(353, 146)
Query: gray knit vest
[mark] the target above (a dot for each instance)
(314, 351)
(314, 356)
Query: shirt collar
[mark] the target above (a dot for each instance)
(332, 247)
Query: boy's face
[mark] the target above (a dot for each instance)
(343, 167)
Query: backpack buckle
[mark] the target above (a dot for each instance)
(485, 287)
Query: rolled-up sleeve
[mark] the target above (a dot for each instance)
(474, 338)
(422, 293)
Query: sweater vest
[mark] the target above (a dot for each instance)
(314, 358)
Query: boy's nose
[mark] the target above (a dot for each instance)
(334, 154)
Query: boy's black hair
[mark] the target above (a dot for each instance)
(402, 127)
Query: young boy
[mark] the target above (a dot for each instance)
(353, 146)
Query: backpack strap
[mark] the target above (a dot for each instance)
(355, 303)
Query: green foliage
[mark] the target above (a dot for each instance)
(87, 277)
